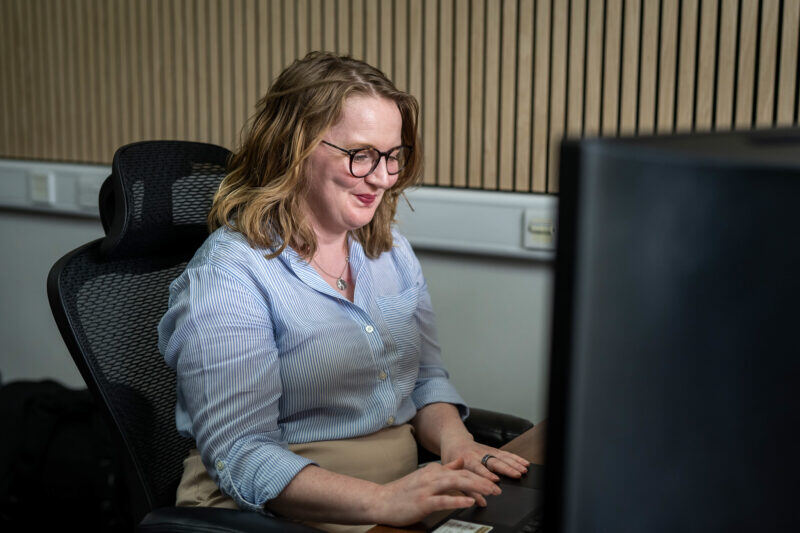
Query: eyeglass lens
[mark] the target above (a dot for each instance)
(364, 161)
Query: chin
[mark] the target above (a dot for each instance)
(357, 222)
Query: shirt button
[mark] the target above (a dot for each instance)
(390, 421)
(369, 329)
(382, 375)
(220, 465)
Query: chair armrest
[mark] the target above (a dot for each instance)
(209, 519)
(495, 429)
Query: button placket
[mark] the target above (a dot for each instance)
(376, 342)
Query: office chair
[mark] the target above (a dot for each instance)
(107, 298)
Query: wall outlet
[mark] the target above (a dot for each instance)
(42, 187)
(538, 230)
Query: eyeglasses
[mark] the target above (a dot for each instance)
(364, 161)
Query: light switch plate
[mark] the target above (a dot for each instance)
(42, 187)
(539, 230)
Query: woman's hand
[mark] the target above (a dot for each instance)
(472, 453)
(440, 429)
(429, 489)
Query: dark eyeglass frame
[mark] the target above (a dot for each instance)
(377, 162)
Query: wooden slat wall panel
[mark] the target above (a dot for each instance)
(593, 68)
(430, 73)
(648, 65)
(460, 94)
(524, 96)
(33, 44)
(558, 82)
(400, 52)
(787, 81)
(541, 93)
(575, 70)
(508, 87)
(687, 46)
(727, 53)
(444, 117)
(746, 65)
(6, 75)
(500, 82)
(706, 65)
(329, 27)
(477, 84)
(612, 53)
(667, 60)
(765, 95)
(491, 98)
(631, 46)
(11, 84)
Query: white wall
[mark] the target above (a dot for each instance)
(493, 317)
(490, 293)
(30, 344)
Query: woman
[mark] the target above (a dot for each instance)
(302, 332)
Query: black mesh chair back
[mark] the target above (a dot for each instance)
(109, 295)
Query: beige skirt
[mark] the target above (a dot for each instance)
(381, 457)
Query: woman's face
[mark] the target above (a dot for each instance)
(337, 201)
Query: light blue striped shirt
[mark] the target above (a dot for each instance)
(268, 354)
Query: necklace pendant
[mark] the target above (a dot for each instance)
(341, 284)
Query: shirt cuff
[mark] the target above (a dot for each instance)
(265, 472)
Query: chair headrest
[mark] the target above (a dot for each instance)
(158, 196)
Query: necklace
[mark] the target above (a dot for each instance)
(340, 283)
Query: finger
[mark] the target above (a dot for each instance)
(488, 486)
(497, 465)
(486, 473)
(482, 471)
(456, 464)
(465, 481)
(479, 499)
(509, 462)
(514, 459)
(443, 501)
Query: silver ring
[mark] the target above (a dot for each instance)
(486, 459)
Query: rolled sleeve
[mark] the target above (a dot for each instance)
(257, 472)
(218, 337)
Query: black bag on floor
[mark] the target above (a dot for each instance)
(58, 463)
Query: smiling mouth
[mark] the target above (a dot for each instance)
(366, 199)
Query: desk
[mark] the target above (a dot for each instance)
(529, 445)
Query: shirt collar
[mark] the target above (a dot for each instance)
(308, 275)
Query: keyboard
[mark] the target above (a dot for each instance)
(533, 524)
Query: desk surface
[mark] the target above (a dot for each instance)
(529, 445)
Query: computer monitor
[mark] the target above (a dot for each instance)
(675, 371)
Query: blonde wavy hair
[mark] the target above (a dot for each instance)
(261, 196)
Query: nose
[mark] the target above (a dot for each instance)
(380, 177)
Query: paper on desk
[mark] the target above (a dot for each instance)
(457, 526)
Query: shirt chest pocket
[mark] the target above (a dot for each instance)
(399, 315)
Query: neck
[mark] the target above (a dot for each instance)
(331, 249)
(329, 244)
